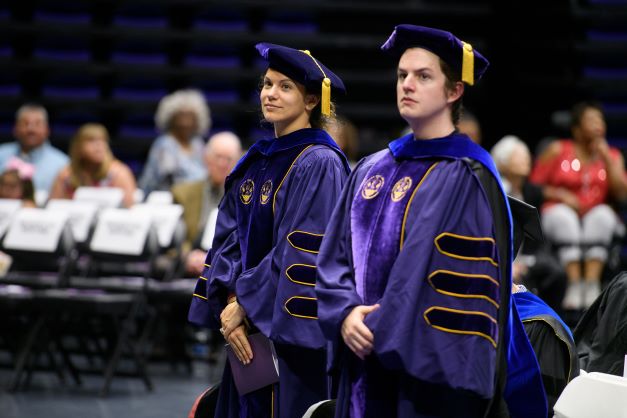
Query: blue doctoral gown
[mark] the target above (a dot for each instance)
(271, 221)
(418, 232)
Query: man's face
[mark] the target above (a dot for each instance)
(31, 129)
(420, 87)
(220, 159)
(519, 162)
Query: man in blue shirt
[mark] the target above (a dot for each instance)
(31, 131)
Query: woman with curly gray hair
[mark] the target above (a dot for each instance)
(183, 118)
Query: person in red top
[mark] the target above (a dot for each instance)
(580, 176)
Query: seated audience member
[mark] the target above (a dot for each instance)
(199, 198)
(32, 146)
(469, 125)
(601, 334)
(176, 155)
(92, 164)
(16, 182)
(535, 267)
(581, 176)
(513, 161)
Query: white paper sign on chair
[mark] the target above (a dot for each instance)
(165, 218)
(8, 209)
(210, 230)
(41, 197)
(120, 231)
(82, 215)
(104, 197)
(35, 229)
(138, 195)
(160, 197)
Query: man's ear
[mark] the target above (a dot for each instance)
(456, 92)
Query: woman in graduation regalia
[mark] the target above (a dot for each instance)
(414, 286)
(261, 267)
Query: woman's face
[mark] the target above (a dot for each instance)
(94, 149)
(283, 100)
(11, 186)
(420, 87)
(184, 125)
(592, 124)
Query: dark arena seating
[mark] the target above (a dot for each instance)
(113, 60)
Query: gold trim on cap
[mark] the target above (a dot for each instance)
(468, 64)
(325, 105)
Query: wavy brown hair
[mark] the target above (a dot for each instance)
(317, 119)
(77, 164)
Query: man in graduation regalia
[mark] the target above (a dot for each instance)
(414, 272)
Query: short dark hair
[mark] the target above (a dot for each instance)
(31, 107)
(452, 77)
(580, 108)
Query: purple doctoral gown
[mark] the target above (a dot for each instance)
(271, 221)
(420, 233)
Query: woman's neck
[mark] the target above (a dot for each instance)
(90, 171)
(184, 142)
(282, 129)
(584, 150)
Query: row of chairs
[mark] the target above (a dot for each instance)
(83, 293)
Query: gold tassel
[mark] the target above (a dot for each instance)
(326, 97)
(325, 105)
(468, 65)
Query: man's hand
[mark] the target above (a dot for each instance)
(355, 333)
